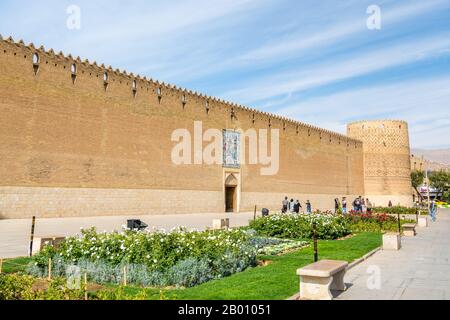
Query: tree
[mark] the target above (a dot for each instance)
(440, 180)
(417, 178)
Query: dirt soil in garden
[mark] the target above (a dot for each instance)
(263, 263)
(40, 285)
(43, 284)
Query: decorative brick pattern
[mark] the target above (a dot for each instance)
(387, 166)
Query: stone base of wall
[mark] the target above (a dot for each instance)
(24, 202)
(383, 201)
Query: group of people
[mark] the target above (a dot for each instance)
(362, 205)
(294, 206)
(358, 205)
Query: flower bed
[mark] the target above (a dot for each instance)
(274, 246)
(366, 222)
(289, 226)
(394, 210)
(179, 257)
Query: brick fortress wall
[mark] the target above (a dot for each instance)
(71, 147)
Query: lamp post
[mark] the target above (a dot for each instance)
(428, 187)
(316, 255)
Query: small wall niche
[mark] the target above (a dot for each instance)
(73, 70)
(36, 62)
(159, 93)
(105, 80)
(134, 88)
(183, 100)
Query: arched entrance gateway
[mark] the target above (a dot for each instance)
(232, 169)
(231, 192)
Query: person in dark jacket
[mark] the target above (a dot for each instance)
(336, 205)
(291, 206)
(297, 206)
(308, 207)
(285, 204)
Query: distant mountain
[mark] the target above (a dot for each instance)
(441, 156)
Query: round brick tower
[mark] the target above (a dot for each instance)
(387, 167)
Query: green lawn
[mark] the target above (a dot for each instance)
(15, 265)
(275, 281)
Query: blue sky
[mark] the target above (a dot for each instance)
(314, 61)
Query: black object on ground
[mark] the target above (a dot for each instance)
(265, 212)
(134, 224)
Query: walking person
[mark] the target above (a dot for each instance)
(369, 206)
(357, 204)
(291, 206)
(297, 207)
(363, 206)
(344, 205)
(308, 207)
(285, 204)
(433, 210)
(336, 205)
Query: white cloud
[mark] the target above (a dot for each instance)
(334, 33)
(336, 70)
(291, 45)
(425, 104)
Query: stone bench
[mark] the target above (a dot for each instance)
(409, 229)
(422, 221)
(40, 242)
(391, 241)
(219, 224)
(317, 279)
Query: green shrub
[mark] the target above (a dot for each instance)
(191, 272)
(300, 226)
(21, 287)
(16, 287)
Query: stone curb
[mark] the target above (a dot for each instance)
(351, 265)
(363, 258)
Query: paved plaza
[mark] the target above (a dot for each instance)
(420, 270)
(15, 234)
